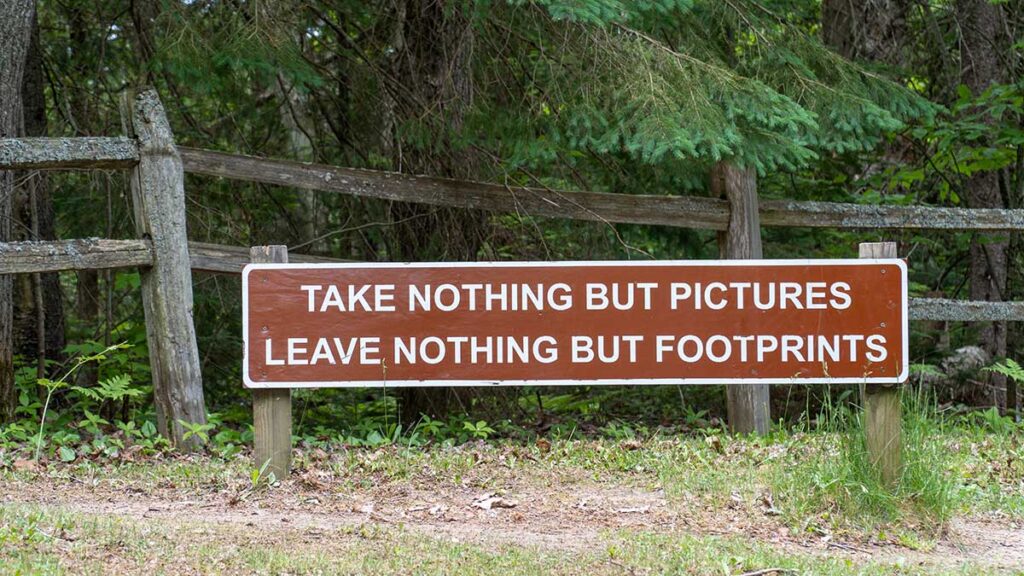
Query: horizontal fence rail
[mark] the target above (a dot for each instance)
(55, 256)
(677, 211)
(965, 310)
(99, 254)
(55, 153)
(664, 210)
(89, 254)
(791, 213)
(683, 211)
(232, 259)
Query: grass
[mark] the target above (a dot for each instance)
(814, 483)
(36, 540)
(810, 476)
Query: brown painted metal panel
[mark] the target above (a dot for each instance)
(694, 322)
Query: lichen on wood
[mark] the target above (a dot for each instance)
(71, 153)
(87, 254)
(654, 209)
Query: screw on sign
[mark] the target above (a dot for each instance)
(661, 322)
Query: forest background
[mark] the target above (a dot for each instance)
(910, 102)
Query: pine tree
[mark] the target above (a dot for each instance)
(680, 85)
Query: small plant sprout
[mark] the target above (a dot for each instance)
(54, 385)
(196, 429)
(479, 430)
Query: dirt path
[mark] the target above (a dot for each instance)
(573, 518)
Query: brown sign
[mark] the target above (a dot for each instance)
(660, 322)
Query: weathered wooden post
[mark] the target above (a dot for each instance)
(272, 407)
(747, 404)
(158, 199)
(883, 414)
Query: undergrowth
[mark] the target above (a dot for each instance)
(815, 474)
(840, 487)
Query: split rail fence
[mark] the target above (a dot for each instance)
(166, 258)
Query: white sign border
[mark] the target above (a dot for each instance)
(251, 384)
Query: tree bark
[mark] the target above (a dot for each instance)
(871, 30)
(433, 42)
(40, 310)
(143, 12)
(158, 201)
(87, 286)
(982, 44)
(15, 37)
(748, 405)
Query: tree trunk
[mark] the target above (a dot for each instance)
(15, 37)
(40, 305)
(1015, 283)
(87, 287)
(295, 118)
(433, 42)
(748, 405)
(983, 42)
(871, 30)
(143, 12)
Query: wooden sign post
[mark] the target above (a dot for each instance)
(883, 414)
(272, 408)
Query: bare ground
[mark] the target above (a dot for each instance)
(573, 516)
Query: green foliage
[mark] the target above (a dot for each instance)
(479, 429)
(601, 12)
(74, 421)
(658, 83)
(115, 388)
(606, 95)
(980, 133)
(197, 430)
(991, 421)
(52, 386)
(1009, 368)
(846, 487)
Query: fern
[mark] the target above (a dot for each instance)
(114, 388)
(1009, 368)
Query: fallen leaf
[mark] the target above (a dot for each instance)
(768, 505)
(714, 442)
(309, 480)
(495, 502)
(736, 499)
(24, 465)
(636, 510)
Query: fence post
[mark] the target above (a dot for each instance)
(272, 407)
(883, 415)
(158, 200)
(747, 404)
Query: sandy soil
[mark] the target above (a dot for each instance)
(572, 517)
